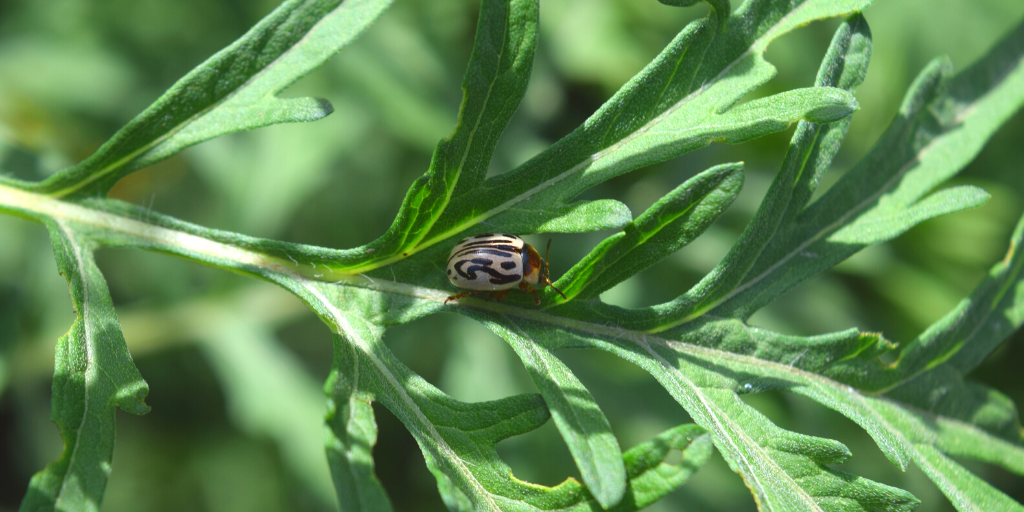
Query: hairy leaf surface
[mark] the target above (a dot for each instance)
(234, 90)
(93, 375)
(920, 409)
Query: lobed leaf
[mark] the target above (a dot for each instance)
(352, 433)
(810, 153)
(942, 125)
(684, 100)
(669, 224)
(650, 478)
(954, 345)
(785, 470)
(698, 347)
(494, 84)
(234, 90)
(458, 439)
(741, 373)
(580, 421)
(703, 380)
(93, 375)
(928, 439)
(811, 353)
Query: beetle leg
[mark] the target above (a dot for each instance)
(463, 294)
(529, 289)
(498, 294)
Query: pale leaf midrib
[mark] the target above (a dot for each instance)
(588, 439)
(60, 210)
(90, 370)
(352, 408)
(450, 189)
(727, 427)
(60, 207)
(799, 249)
(352, 335)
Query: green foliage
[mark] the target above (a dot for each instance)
(232, 91)
(913, 399)
(669, 224)
(93, 375)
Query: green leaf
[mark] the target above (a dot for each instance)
(957, 343)
(672, 222)
(810, 153)
(929, 439)
(961, 439)
(784, 470)
(650, 477)
(945, 392)
(942, 125)
(93, 375)
(579, 419)
(891, 220)
(684, 100)
(352, 435)
(234, 90)
(699, 347)
(958, 417)
(575, 217)
(458, 439)
(811, 353)
(494, 84)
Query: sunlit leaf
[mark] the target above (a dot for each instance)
(580, 421)
(234, 90)
(684, 100)
(93, 376)
(918, 407)
(672, 222)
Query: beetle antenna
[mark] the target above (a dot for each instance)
(545, 266)
(548, 281)
(547, 271)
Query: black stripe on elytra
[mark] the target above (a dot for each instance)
(508, 265)
(500, 278)
(497, 250)
(496, 276)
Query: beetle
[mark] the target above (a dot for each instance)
(496, 263)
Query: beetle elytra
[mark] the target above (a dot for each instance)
(496, 263)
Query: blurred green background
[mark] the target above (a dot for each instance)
(235, 366)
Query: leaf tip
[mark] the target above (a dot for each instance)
(839, 104)
(132, 398)
(307, 109)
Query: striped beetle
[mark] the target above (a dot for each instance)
(496, 263)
